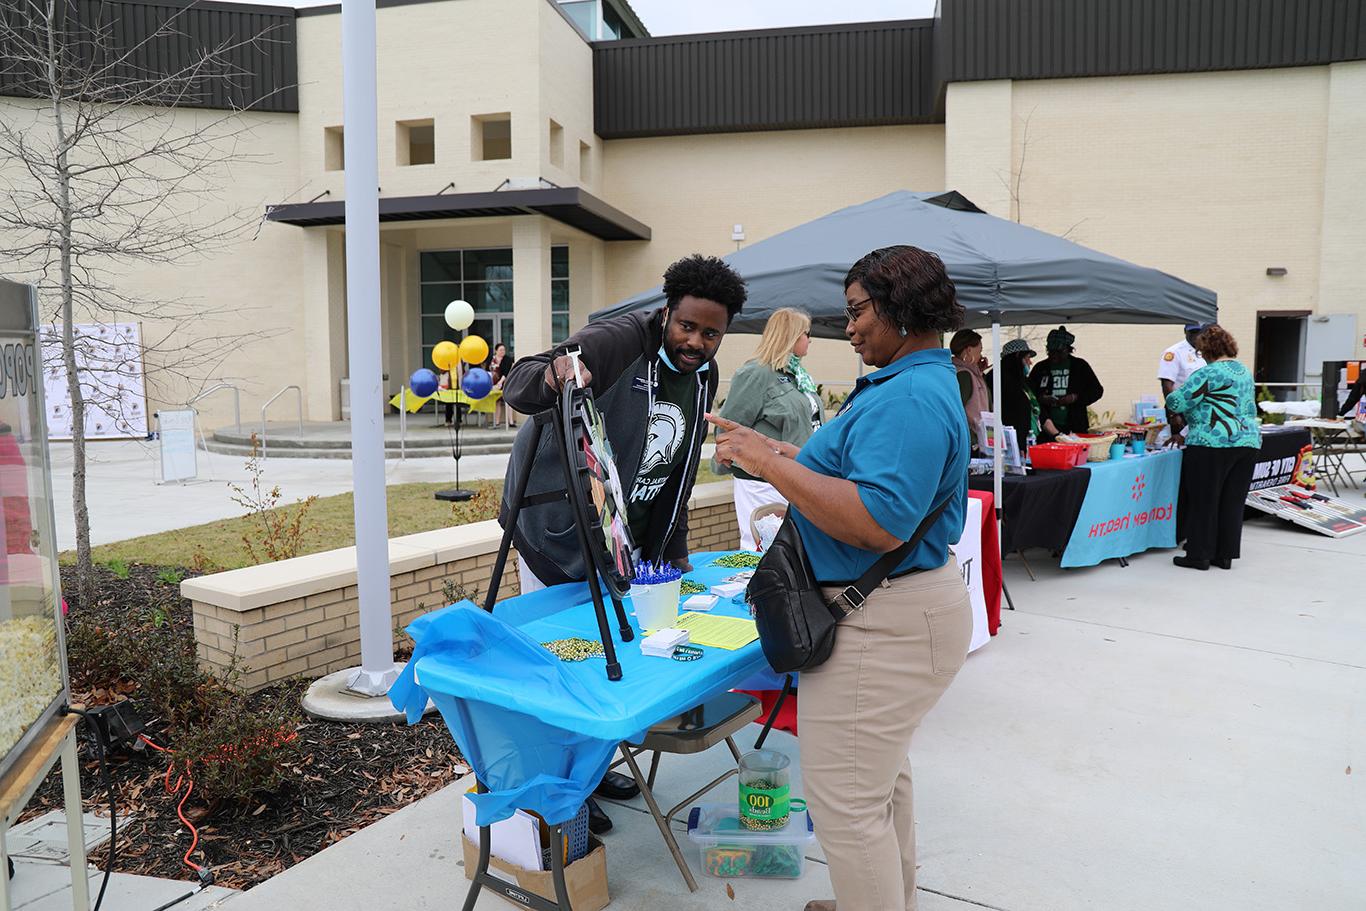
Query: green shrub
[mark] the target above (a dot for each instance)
(171, 575)
(234, 754)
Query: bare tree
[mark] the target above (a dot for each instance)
(109, 163)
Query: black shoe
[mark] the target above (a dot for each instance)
(599, 823)
(1226, 563)
(615, 786)
(1191, 563)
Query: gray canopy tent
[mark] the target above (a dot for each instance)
(1004, 272)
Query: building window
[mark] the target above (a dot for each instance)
(416, 142)
(556, 144)
(585, 162)
(583, 13)
(484, 279)
(334, 149)
(491, 137)
(481, 277)
(559, 294)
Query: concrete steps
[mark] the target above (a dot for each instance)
(332, 440)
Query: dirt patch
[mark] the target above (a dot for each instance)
(336, 778)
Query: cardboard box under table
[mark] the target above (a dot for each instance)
(539, 732)
(585, 880)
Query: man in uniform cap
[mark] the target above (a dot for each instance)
(1177, 364)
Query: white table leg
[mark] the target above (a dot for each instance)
(75, 830)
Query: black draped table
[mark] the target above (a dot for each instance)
(1040, 509)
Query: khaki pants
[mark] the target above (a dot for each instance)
(856, 714)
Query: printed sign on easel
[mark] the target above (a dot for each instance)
(109, 362)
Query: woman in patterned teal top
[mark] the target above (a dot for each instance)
(1224, 436)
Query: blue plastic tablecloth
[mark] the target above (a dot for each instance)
(540, 732)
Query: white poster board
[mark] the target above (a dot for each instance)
(109, 361)
(175, 435)
(968, 553)
(986, 442)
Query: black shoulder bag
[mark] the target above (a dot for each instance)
(796, 623)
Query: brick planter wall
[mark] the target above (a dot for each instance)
(300, 617)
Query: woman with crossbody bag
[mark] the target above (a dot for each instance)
(889, 469)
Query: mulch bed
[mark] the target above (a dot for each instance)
(342, 777)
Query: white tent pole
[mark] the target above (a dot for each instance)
(996, 450)
(360, 151)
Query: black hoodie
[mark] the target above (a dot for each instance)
(622, 354)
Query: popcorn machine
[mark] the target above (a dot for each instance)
(33, 681)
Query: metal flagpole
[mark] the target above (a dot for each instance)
(360, 150)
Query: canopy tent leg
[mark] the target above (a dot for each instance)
(997, 457)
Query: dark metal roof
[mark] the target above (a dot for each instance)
(1041, 39)
(780, 79)
(256, 45)
(570, 205)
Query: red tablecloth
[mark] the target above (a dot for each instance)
(991, 560)
(991, 589)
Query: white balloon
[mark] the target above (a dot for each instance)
(459, 315)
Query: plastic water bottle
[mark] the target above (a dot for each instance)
(1030, 442)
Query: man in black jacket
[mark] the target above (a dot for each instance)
(1065, 385)
(653, 377)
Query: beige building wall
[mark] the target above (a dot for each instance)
(1213, 177)
(1342, 273)
(244, 293)
(445, 62)
(691, 190)
(978, 144)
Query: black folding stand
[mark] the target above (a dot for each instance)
(560, 421)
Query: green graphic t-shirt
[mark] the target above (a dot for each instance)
(672, 414)
(1056, 379)
(1219, 405)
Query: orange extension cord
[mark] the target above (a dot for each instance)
(185, 779)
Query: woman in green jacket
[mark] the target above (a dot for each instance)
(1223, 437)
(773, 394)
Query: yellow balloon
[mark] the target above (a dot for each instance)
(474, 350)
(445, 355)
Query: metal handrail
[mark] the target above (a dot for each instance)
(270, 402)
(236, 401)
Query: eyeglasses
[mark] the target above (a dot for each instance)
(853, 314)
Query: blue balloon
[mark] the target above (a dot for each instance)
(477, 383)
(423, 382)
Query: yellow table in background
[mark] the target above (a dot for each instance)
(487, 405)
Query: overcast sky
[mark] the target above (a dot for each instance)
(680, 17)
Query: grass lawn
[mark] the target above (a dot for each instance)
(219, 544)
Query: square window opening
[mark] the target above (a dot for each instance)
(334, 149)
(585, 162)
(491, 137)
(556, 145)
(416, 142)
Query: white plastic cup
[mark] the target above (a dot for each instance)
(656, 605)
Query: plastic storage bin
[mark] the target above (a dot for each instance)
(1057, 456)
(729, 850)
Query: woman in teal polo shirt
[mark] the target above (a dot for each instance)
(858, 489)
(1223, 437)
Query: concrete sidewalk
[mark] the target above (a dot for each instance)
(126, 501)
(1134, 739)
